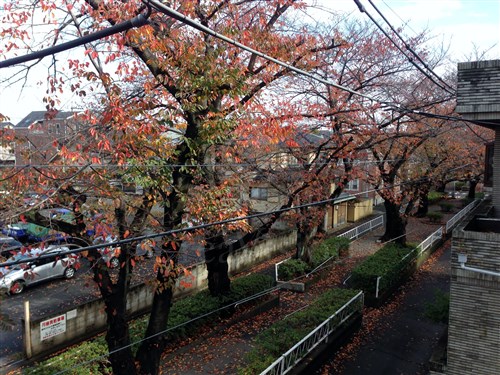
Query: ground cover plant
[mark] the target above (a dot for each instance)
(390, 263)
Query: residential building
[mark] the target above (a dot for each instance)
(282, 168)
(40, 135)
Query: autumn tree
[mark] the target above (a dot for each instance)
(146, 84)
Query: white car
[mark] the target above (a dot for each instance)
(109, 254)
(14, 279)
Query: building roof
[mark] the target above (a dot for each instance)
(43, 115)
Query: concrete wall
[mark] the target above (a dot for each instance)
(359, 210)
(474, 325)
(86, 320)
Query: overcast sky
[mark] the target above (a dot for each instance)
(463, 25)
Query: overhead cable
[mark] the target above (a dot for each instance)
(408, 47)
(363, 10)
(202, 226)
(190, 22)
(393, 106)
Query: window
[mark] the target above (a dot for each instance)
(353, 185)
(258, 193)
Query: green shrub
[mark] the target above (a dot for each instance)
(435, 217)
(434, 197)
(330, 247)
(386, 263)
(203, 303)
(292, 268)
(72, 359)
(438, 310)
(282, 335)
(446, 206)
(182, 311)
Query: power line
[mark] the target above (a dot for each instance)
(393, 106)
(188, 21)
(201, 226)
(363, 10)
(408, 47)
(149, 166)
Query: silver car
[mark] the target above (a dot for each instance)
(14, 279)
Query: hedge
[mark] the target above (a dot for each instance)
(434, 197)
(330, 247)
(387, 263)
(183, 310)
(282, 335)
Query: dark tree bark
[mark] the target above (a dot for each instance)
(149, 353)
(472, 188)
(423, 207)
(216, 253)
(117, 336)
(114, 295)
(304, 236)
(395, 227)
(441, 186)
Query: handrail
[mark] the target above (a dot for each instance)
(297, 352)
(363, 228)
(435, 237)
(455, 219)
(350, 234)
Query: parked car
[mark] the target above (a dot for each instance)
(109, 254)
(14, 279)
(8, 246)
(30, 233)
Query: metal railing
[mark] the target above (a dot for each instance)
(450, 224)
(350, 234)
(295, 354)
(431, 240)
(363, 228)
(434, 237)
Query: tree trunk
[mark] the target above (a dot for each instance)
(115, 303)
(472, 189)
(395, 226)
(423, 207)
(440, 186)
(149, 353)
(117, 335)
(304, 236)
(216, 253)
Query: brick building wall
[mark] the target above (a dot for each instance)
(474, 325)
